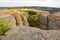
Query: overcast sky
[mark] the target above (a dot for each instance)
(17, 3)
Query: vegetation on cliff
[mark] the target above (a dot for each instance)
(33, 18)
(4, 26)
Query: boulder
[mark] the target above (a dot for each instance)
(8, 18)
(43, 19)
(54, 21)
(31, 33)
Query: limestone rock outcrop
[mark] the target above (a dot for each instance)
(54, 21)
(34, 18)
(48, 27)
(43, 19)
(21, 19)
(31, 33)
(49, 21)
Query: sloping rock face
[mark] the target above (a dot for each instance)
(18, 15)
(43, 19)
(49, 21)
(54, 21)
(8, 18)
(30, 33)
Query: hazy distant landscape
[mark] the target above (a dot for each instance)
(50, 9)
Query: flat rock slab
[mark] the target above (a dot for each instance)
(31, 33)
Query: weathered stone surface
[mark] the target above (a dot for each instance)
(18, 15)
(18, 19)
(54, 21)
(43, 19)
(30, 33)
(8, 18)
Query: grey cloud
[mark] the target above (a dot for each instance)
(11, 3)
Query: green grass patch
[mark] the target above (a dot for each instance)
(4, 26)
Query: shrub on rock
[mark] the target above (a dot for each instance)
(4, 26)
(33, 18)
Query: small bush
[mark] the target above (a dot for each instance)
(4, 26)
(33, 18)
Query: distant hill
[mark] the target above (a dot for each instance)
(50, 9)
